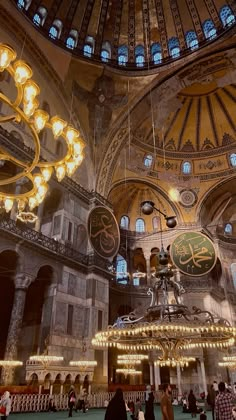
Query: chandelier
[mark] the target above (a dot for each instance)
(228, 362)
(129, 371)
(182, 361)
(10, 363)
(32, 175)
(46, 359)
(84, 363)
(167, 326)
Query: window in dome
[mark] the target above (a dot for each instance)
(21, 4)
(233, 159)
(122, 55)
(209, 29)
(70, 42)
(227, 16)
(233, 272)
(140, 225)
(105, 56)
(121, 270)
(191, 39)
(156, 53)
(186, 168)
(124, 222)
(148, 159)
(228, 229)
(139, 55)
(53, 32)
(87, 50)
(174, 49)
(37, 19)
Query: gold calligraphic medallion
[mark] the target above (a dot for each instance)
(193, 253)
(104, 233)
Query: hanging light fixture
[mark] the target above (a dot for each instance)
(10, 363)
(84, 364)
(34, 174)
(46, 359)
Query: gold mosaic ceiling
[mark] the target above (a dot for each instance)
(134, 23)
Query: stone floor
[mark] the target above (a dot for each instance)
(95, 414)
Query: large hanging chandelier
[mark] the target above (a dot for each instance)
(228, 362)
(34, 174)
(46, 359)
(167, 326)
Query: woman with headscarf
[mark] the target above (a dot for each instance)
(192, 403)
(5, 405)
(116, 408)
(149, 408)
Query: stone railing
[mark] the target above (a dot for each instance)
(40, 402)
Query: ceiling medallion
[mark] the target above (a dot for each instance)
(167, 326)
(188, 198)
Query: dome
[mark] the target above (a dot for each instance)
(130, 34)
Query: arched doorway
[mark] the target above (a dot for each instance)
(67, 384)
(77, 384)
(57, 384)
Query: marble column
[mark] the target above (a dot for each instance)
(203, 374)
(22, 282)
(157, 377)
(151, 373)
(179, 380)
(148, 267)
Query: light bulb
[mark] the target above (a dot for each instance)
(30, 107)
(32, 203)
(23, 72)
(71, 167)
(60, 172)
(31, 90)
(38, 180)
(78, 148)
(40, 119)
(8, 204)
(7, 54)
(42, 190)
(47, 173)
(58, 126)
(71, 134)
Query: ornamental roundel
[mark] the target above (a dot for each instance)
(188, 198)
(193, 253)
(104, 233)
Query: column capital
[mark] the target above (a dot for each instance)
(22, 280)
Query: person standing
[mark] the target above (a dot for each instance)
(116, 408)
(192, 406)
(211, 397)
(224, 404)
(149, 409)
(166, 406)
(5, 405)
(71, 400)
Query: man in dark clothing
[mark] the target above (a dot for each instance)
(211, 397)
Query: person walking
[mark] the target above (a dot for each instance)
(71, 400)
(192, 406)
(224, 404)
(149, 409)
(116, 408)
(166, 406)
(5, 405)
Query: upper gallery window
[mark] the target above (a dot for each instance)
(186, 168)
(156, 53)
(228, 229)
(140, 225)
(174, 48)
(40, 16)
(227, 16)
(72, 39)
(209, 29)
(122, 55)
(148, 159)
(124, 222)
(233, 159)
(53, 32)
(105, 56)
(88, 50)
(191, 39)
(139, 55)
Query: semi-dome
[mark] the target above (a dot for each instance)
(131, 34)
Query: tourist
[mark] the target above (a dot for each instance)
(203, 415)
(141, 415)
(149, 409)
(192, 406)
(5, 405)
(211, 397)
(166, 406)
(137, 408)
(82, 401)
(223, 404)
(71, 400)
(116, 408)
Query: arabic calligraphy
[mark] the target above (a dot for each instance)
(103, 232)
(193, 253)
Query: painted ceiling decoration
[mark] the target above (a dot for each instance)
(131, 34)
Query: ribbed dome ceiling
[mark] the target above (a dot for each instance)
(141, 27)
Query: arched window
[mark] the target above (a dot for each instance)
(21, 4)
(124, 222)
(156, 53)
(227, 16)
(209, 29)
(53, 32)
(121, 269)
(191, 39)
(186, 168)
(70, 42)
(105, 56)
(87, 50)
(40, 16)
(139, 55)
(233, 159)
(174, 48)
(228, 229)
(233, 272)
(140, 225)
(122, 55)
(156, 222)
(148, 159)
